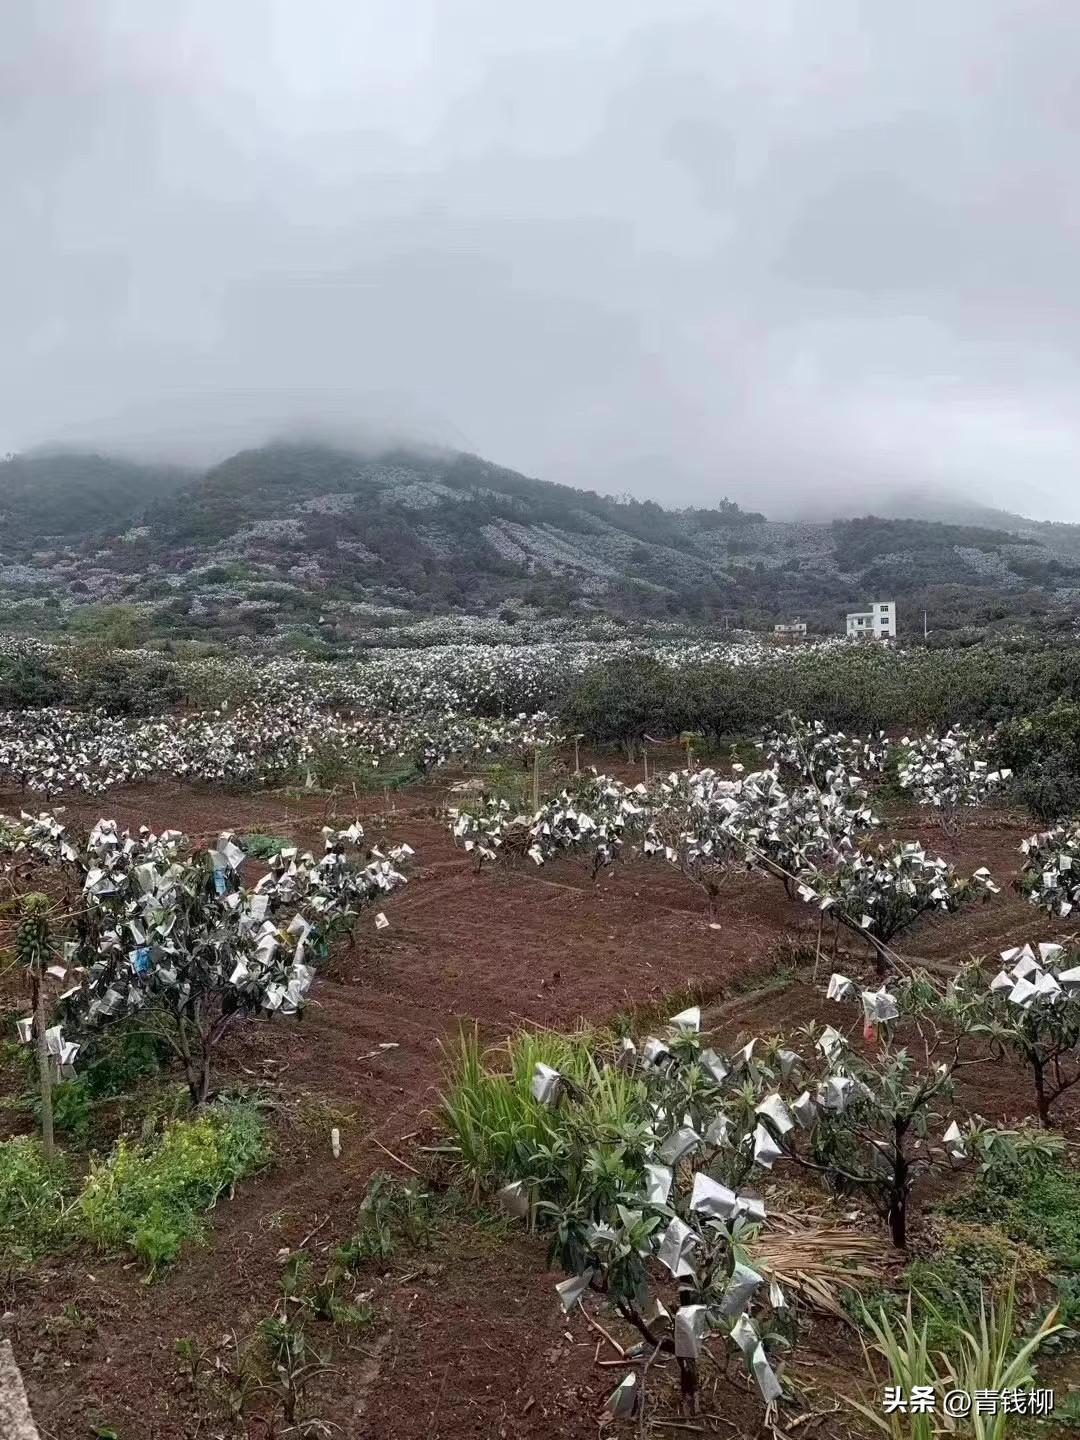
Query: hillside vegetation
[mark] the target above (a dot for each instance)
(309, 542)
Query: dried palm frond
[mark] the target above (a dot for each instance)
(817, 1261)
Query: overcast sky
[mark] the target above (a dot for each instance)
(767, 248)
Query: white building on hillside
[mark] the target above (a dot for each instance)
(877, 623)
(792, 630)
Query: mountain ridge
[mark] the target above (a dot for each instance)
(314, 540)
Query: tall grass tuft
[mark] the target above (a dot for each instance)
(501, 1133)
(982, 1353)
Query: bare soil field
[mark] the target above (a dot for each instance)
(468, 1340)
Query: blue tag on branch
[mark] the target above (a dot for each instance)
(142, 960)
(219, 881)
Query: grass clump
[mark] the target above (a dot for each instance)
(981, 1352)
(1036, 1204)
(501, 1132)
(32, 1198)
(264, 847)
(148, 1197)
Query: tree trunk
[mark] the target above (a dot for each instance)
(198, 1078)
(688, 1385)
(1042, 1100)
(44, 1071)
(196, 1066)
(898, 1198)
(898, 1219)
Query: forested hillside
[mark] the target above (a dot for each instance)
(309, 541)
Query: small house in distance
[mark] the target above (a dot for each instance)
(790, 631)
(877, 623)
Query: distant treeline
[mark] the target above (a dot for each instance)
(851, 689)
(90, 677)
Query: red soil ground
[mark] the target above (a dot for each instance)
(469, 1340)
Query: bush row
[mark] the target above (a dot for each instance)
(851, 688)
(93, 677)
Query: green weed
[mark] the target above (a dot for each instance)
(32, 1196)
(321, 1297)
(149, 1197)
(973, 1260)
(263, 847)
(980, 1352)
(120, 1061)
(1036, 1203)
(293, 1365)
(394, 1215)
(1067, 1413)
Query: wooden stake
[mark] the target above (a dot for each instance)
(44, 1068)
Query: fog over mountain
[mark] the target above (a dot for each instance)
(817, 258)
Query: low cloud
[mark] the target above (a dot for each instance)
(812, 257)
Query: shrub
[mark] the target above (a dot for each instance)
(851, 687)
(121, 685)
(1033, 1013)
(880, 893)
(209, 953)
(625, 700)
(1026, 742)
(27, 682)
(1050, 789)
